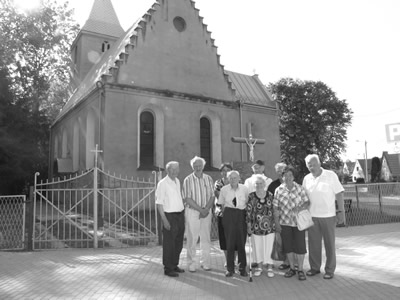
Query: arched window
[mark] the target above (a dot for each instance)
(90, 139)
(146, 139)
(64, 149)
(205, 141)
(75, 148)
(105, 46)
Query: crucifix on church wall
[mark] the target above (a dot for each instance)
(250, 142)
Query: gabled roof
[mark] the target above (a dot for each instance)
(245, 87)
(103, 20)
(250, 89)
(110, 59)
(393, 162)
(350, 166)
(361, 161)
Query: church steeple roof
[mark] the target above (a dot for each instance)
(103, 20)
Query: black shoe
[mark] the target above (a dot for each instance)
(290, 273)
(312, 272)
(283, 266)
(244, 273)
(228, 274)
(171, 273)
(179, 270)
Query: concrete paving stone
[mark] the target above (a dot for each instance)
(368, 267)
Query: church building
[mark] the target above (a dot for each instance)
(157, 92)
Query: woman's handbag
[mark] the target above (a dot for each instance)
(304, 219)
(277, 249)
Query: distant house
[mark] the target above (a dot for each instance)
(348, 167)
(359, 169)
(390, 170)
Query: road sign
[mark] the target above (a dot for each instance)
(393, 132)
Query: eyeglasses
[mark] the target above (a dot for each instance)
(234, 202)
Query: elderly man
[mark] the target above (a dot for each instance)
(323, 188)
(233, 199)
(258, 169)
(170, 206)
(198, 193)
(279, 167)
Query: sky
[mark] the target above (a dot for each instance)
(353, 46)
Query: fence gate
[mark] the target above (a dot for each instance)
(94, 209)
(12, 222)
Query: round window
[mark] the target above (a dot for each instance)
(179, 24)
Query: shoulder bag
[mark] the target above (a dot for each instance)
(304, 219)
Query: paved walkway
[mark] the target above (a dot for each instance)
(368, 268)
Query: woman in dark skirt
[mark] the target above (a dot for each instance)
(219, 184)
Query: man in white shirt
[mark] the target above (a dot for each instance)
(170, 206)
(258, 169)
(323, 188)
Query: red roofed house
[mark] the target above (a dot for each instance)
(156, 93)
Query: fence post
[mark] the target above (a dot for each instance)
(30, 220)
(95, 242)
(159, 225)
(380, 198)
(358, 200)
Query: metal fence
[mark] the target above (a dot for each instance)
(12, 222)
(94, 210)
(373, 203)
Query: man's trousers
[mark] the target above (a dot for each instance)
(173, 240)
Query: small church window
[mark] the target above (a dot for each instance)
(146, 139)
(205, 141)
(179, 23)
(105, 46)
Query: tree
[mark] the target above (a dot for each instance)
(312, 120)
(375, 169)
(34, 68)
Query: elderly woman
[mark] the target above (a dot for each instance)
(289, 198)
(219, 184)
(233, 199)
(261, 225)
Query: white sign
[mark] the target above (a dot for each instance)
(393, 132)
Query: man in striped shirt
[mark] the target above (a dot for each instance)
(198, 193)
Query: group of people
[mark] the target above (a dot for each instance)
(259, 208)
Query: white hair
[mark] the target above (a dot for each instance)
(309, 157)
(196, 158)
(232, 172)
(259, 176)
(280, 166)
(171, 164)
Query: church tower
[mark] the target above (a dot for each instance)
(100, 31)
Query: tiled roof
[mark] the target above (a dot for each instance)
(393, 161)
(103, 19)
(250, 89)
(103, 69)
